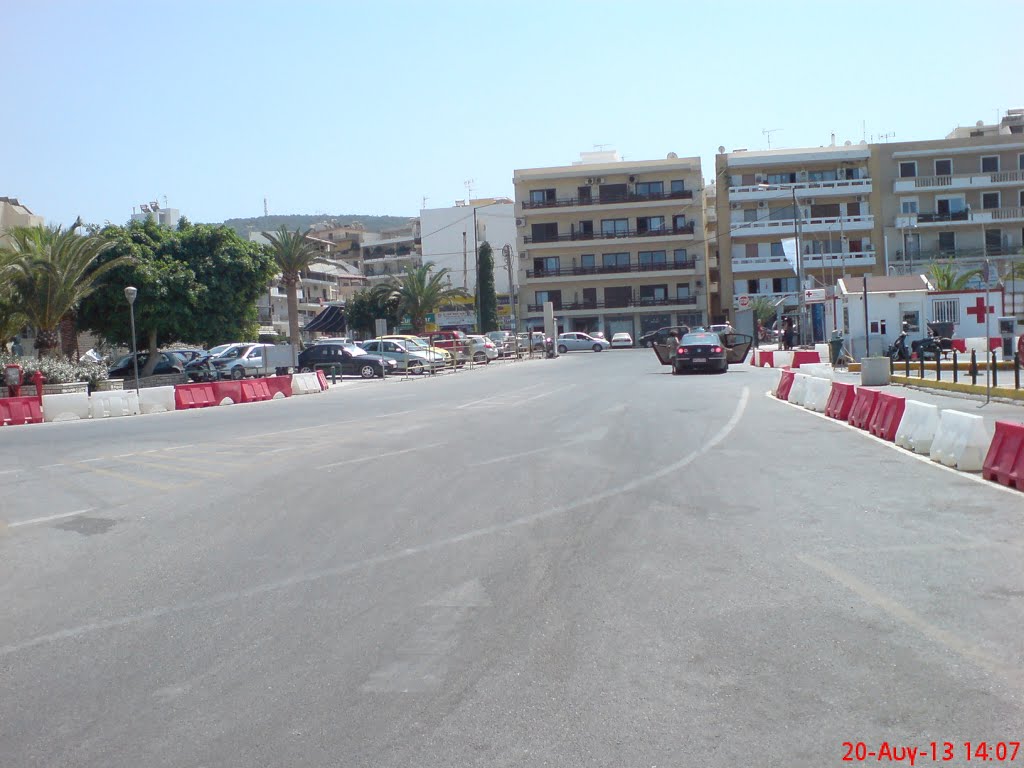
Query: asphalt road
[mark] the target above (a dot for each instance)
(579, 562)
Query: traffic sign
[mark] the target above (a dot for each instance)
(814, 295)
(744, 301)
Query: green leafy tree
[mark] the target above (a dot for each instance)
(420, 292)
(366, 306)
(293, 253)
(764, 309)
(486, 296)
(947, 277)
(53, 271)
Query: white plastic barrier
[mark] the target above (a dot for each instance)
(105, 405)
(69, 407)
(917, 427)
(823, 353)
(156, 399)
(783, 358)
(961, 441)
(305, 384)
(818, 370)
(799, 389)
(816, 393)
(980, 346)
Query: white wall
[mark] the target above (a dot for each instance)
(442, 230)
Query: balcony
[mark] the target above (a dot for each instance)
(811, 261)
(784, 227)
(584, 236)
(837, 188)
(961, 181)
(677, 266)
(996, 215)
(679, 301)
(978, 217)
(571, 202)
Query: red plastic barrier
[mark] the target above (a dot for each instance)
(863, 409)
(322, 379)
(255, 391)
(840, 400)
(20, 410)
(886, 418)
(194, 396)
(1004, 462)
(282, 384)
(801, 356)
(785, 384)
(767, 356)
(232, 389)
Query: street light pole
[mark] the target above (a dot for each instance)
(798, 232)
(130, 293)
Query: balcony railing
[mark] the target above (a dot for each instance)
(811, 261)
(631, 197)
(686, 229)
(611, 270)
(851, 186)
(932, 218)
(986, 179)
(812, 224)
(636, 301)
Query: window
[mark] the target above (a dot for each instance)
(946, 311)
(1020, 162)
(947, 242)
(821, 175)
(825, 210)
(617, 297)
(648, 188)
(1020, 198)
(680, 259)
(650, 224)
(753, 286)
(652, 260)
(617, 261)
(587, 261)
(908, 205)
(781, 214)
(993, 241)
(990, 200)
(908, 169)
(541, 196)
(683, 291)
(677, 186)
(546, 265)
(990, 164)
(781, 178)
(777, 250)
(943, 167)
(610, 193)
(946, 206)
(750, 250)
(614, 227)
(590, 298)
(586, 228)
(679, 223)
(784, 285)
(555, 297)
(910, 317)
(584, 195)
(653, 293)
(544, 233)
(750, 214)
(853, 209)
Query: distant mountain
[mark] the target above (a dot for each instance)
(303, 221)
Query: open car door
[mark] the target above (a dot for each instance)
(737, 345)
(665, 352)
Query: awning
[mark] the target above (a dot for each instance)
(330, 320)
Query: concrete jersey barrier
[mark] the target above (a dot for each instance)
(961, 441)
(917, 427)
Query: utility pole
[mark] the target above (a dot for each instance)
(798, 232)
(512, 305)
(465, 264)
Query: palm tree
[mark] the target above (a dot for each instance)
(293, 253)
(12, 319)
(419, 292)
(946, 277)
(53, 269)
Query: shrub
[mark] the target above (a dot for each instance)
(58, 370)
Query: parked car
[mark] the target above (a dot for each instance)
(352, 360)
(534, 340)
(621, 340)
(700, 351)
(405, 354)
(481, 349)
(659, 336)
(597, 334)
(449, 358)
(575, 341)
(504, 341)
(453, 341)
(221, 348)
(167, 363)
(202, 369)
(187, 355)
(241, 360)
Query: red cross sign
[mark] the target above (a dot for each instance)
(979, 310)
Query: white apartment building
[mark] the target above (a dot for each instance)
(448, 239)
(165, 217)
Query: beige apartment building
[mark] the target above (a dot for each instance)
(615, 246)
(15, 214)
(761, 195)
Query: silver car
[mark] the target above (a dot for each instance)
(417, 359)
(241, 360)
(572, 342)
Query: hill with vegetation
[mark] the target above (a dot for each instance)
(304, 221)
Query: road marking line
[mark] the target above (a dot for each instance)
(391, 557)
(179, 447)
(519, 455)
(89, 461)
(137, 480)
(51, 466)
(379, 456)
(176, 467)
(48, 518)
(912, 619)
(10, 471)
(545, 394)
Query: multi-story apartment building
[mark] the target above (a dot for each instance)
(615, 246)
(14, 214)
(956, 200)
(761, 196)
(448, 238)
(393, 255)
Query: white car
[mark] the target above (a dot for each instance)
(621, 340)
(481, 349)
(569, 342)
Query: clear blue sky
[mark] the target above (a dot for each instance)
(366, 107)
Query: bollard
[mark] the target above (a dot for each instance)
(906, 364)
(974, 368)
(920, 359)
(995, 371)
(892, 366)
(938, 367)
(1016, 371)
(956, 372)
(334, 374)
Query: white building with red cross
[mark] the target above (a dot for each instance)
(911, 299)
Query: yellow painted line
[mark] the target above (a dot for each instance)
(145, 482)
(172, 467)
(914, 620)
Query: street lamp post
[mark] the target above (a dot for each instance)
(798, 233)
(130, 293)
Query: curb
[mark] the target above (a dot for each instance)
(950, 386)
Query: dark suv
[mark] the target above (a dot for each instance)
(659, 336)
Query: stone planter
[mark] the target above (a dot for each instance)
(109, 385)
(65, 389)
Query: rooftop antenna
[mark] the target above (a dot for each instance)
(600, 147)
(469, 189)
(265, 213)
(425, 198)
(768, 132)
(886, 136)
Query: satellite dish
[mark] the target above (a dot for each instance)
(863, 141)
(721, 150)
(980, 124)
(847, 143)
(673, 156)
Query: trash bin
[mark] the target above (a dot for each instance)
(835, 348)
